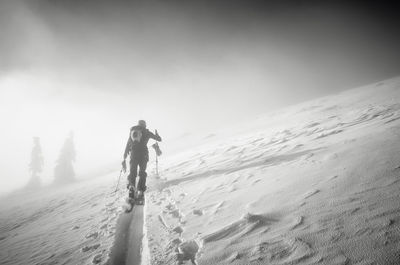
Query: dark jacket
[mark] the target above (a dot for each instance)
(139, 150)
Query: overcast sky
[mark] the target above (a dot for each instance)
(96, 67)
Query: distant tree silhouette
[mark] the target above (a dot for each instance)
(64, 170)
(36, 164)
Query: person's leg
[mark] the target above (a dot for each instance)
(133, 172)
(142, 175)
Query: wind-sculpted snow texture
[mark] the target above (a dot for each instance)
(74, 225)
(316, 183)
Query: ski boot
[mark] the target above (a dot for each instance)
(140, 198)
(130, 201)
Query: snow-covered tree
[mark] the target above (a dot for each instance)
(36, 164)
(64, 170)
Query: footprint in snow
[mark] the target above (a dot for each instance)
(170, 206)
(92, 235)
(176, 241)
(176, 213)
(89, 248)
(178, 230)
(97, 259)
(183, 194)
(188, 251)
(198, 212)
(167, 191)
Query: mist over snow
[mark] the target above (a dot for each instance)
(96, 67)
(279, 122)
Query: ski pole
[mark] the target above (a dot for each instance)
(116, 188)
(157, 166)
(158, 153)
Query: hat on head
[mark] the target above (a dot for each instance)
(142, 123)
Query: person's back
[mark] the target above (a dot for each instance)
(140, 137)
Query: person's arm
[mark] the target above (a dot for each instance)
(128, 147)
(155, 136)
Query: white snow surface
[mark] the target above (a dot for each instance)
(314, 183)
(71, 225)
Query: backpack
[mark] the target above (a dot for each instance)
(136, 134)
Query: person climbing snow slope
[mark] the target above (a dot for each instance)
(139, 136)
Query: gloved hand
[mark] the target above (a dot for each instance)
(124, 166)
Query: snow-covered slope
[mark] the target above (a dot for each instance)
(315, 183)
(72, 225)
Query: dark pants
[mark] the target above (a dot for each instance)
(142, 164)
